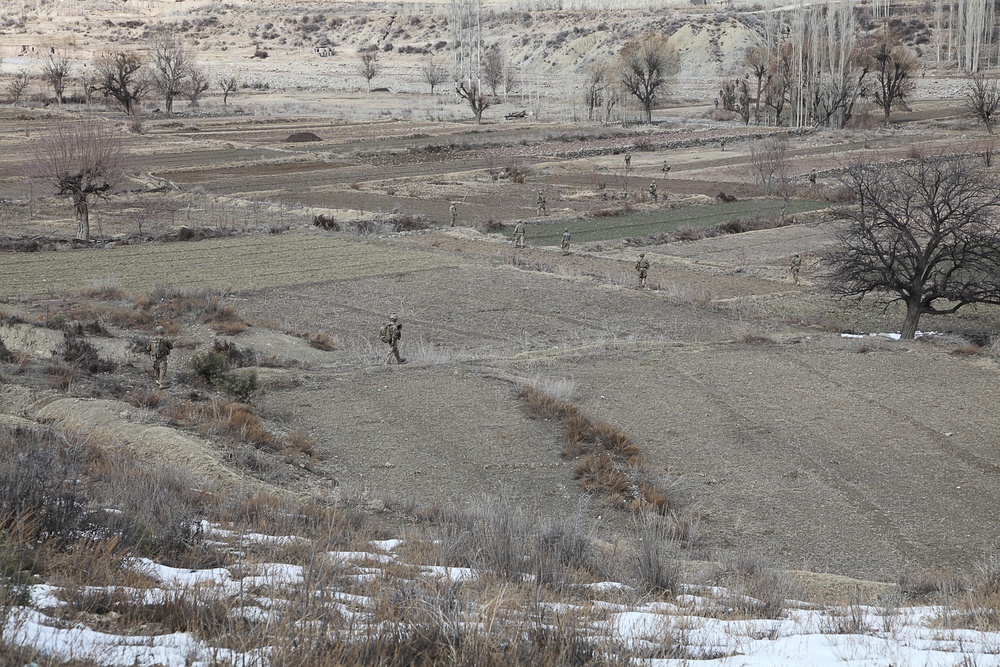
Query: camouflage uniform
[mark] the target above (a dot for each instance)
(628, 161)
(541, 204)
(565, 241)
(453, 211)
(812, 177)
(794, 268)
(652, 191)
(519, 235)
(642, 266)
(159, 348)
(390, 333)
(666, 167)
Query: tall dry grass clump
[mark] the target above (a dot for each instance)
(607, 461)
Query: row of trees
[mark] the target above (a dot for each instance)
(129, 77)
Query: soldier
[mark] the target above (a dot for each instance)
(159, 347)
(642, 266)
(652, 191)
(812, 178)
(565, 241)
(390, 333)
(628, 161)
(541, 204)
(722, 143)
(794, 267)
(453, 210)
(666, 168)
(519, 234)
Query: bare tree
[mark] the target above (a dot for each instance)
(81, 160)
(197, 83)
(229, 83)
(434, 74)
(56, 71)
(644, 67)
(893, 68)
(982, 100)
(17, 85)
(469, 90)
(493, 66)
(922, 233)
(769, 163)
(119, 74)
(170, 67)
(368, 67)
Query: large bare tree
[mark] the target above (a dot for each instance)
(169, 67)
(471, 92)
(982, 99)
(81, 160)
(18, 84)
(120, 75)
(229, 83)
(922, 232)
(434, 74)
(56, 72)
(644, 68)
(894, 66)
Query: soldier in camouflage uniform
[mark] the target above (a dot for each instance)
(652, 192)
(628, 161)
(541, 204)
(390, 333)
(565, 241)
(794, 267)
(159, 348)
(519, 229)
(642, 266)
(453, 211)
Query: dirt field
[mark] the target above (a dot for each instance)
(861, 457)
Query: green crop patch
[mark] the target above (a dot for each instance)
(646, 223)
(241, 263)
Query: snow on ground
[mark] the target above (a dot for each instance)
(807, 636)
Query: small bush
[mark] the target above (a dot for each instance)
(241, 386)
(326, 222)
(210, 366)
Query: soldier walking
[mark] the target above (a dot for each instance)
(652, 192)
(642, 266)
(453, 211)
(628, 161)
(794, 267)
(159, 348)
(390, 333)
(519, 234)
(565, 241)
(666, 168)
(812, 178)
(540, 209)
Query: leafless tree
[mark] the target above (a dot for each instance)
(229, 83)
(893, 69)
(120, 75)
(81, 160)
(170, 67)
(470, 91)
(17, 85)
(368, 66)
(769, 163)
(644, 67)
(757, 60)
(982, 99)
(922, 233)
(434, 73)
(734, 95)
(197, 83)
(493, 66)
(56, 72)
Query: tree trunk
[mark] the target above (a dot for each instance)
(649, 114)
(913, 313)
(82, 216)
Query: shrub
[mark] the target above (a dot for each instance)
(210, 366)
(241, 386)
